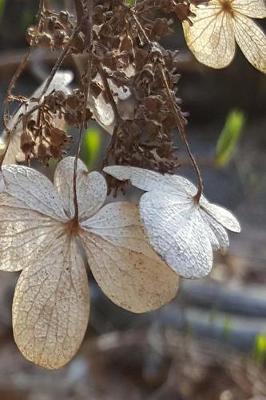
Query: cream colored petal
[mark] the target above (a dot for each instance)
(250, 8)
(24, 234)
(222, 216)
(102, 110)
(221, 241)
(14, 154)
(91, 188)
(122, 261)
(251, 40)
(147, 180)
(51, 305)
(211, 37)
(33, 190)
(60, 81)
(177, 233)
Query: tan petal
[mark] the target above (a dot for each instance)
(24, 234)
(51, 305)
(33, 190)
(91, 188)
(126, 268)
(250, 8)
(211, 37)
(251, 40)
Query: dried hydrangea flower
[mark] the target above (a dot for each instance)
(14, 153)
(183, 232)
(40, 236)
(218, 24)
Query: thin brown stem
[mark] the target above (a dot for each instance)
(182, 132)
(87, 87)
(118, 119)
(176, 110)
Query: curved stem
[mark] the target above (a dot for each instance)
(176, 110)
(87, 86)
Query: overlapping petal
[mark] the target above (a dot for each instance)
(51, 305)
(91, 188)
(216, 26)
(211, 37)
(24, 234)
(252, 41)
(178, 233)
(221, 241)
(250, 8)
(147, 180)
(34, 191)
(222, 216)
(126, 268)
(183, 232)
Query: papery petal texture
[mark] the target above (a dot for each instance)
(251, 40)
(51, 305)
(221, 241)
(211, 37)
(147, 180)
(91, 188)
(126, 268)
(250, 8)
(34, 191)
(24, 234)
(183, 231)
(178, 233)
(222, 216)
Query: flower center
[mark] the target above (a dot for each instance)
(227, 7)
(72, 227)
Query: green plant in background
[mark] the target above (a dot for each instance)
(2, 6)
(130, 2)
(91, 146)
(260, 348)
(229, 137)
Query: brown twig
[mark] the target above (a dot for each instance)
(180, 122)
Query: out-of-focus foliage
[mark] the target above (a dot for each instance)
(260, 348)
(91, 146)
(2, 5)
(229, 138)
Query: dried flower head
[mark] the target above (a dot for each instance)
(28, 137)
(42, 236)
(182, 231)
(216, 26)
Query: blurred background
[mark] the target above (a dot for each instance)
(210, 342)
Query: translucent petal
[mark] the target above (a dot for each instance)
(102, 110)
(251, 40)
(33, 190)
(250, 8)
(222, 240)
(178, 233)
(91, 188)
(223, 216)
(147, 180)
(51, 305)
(122, 261)
(14, 153)
(211, 37)
(60, 81)
(24, 234)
